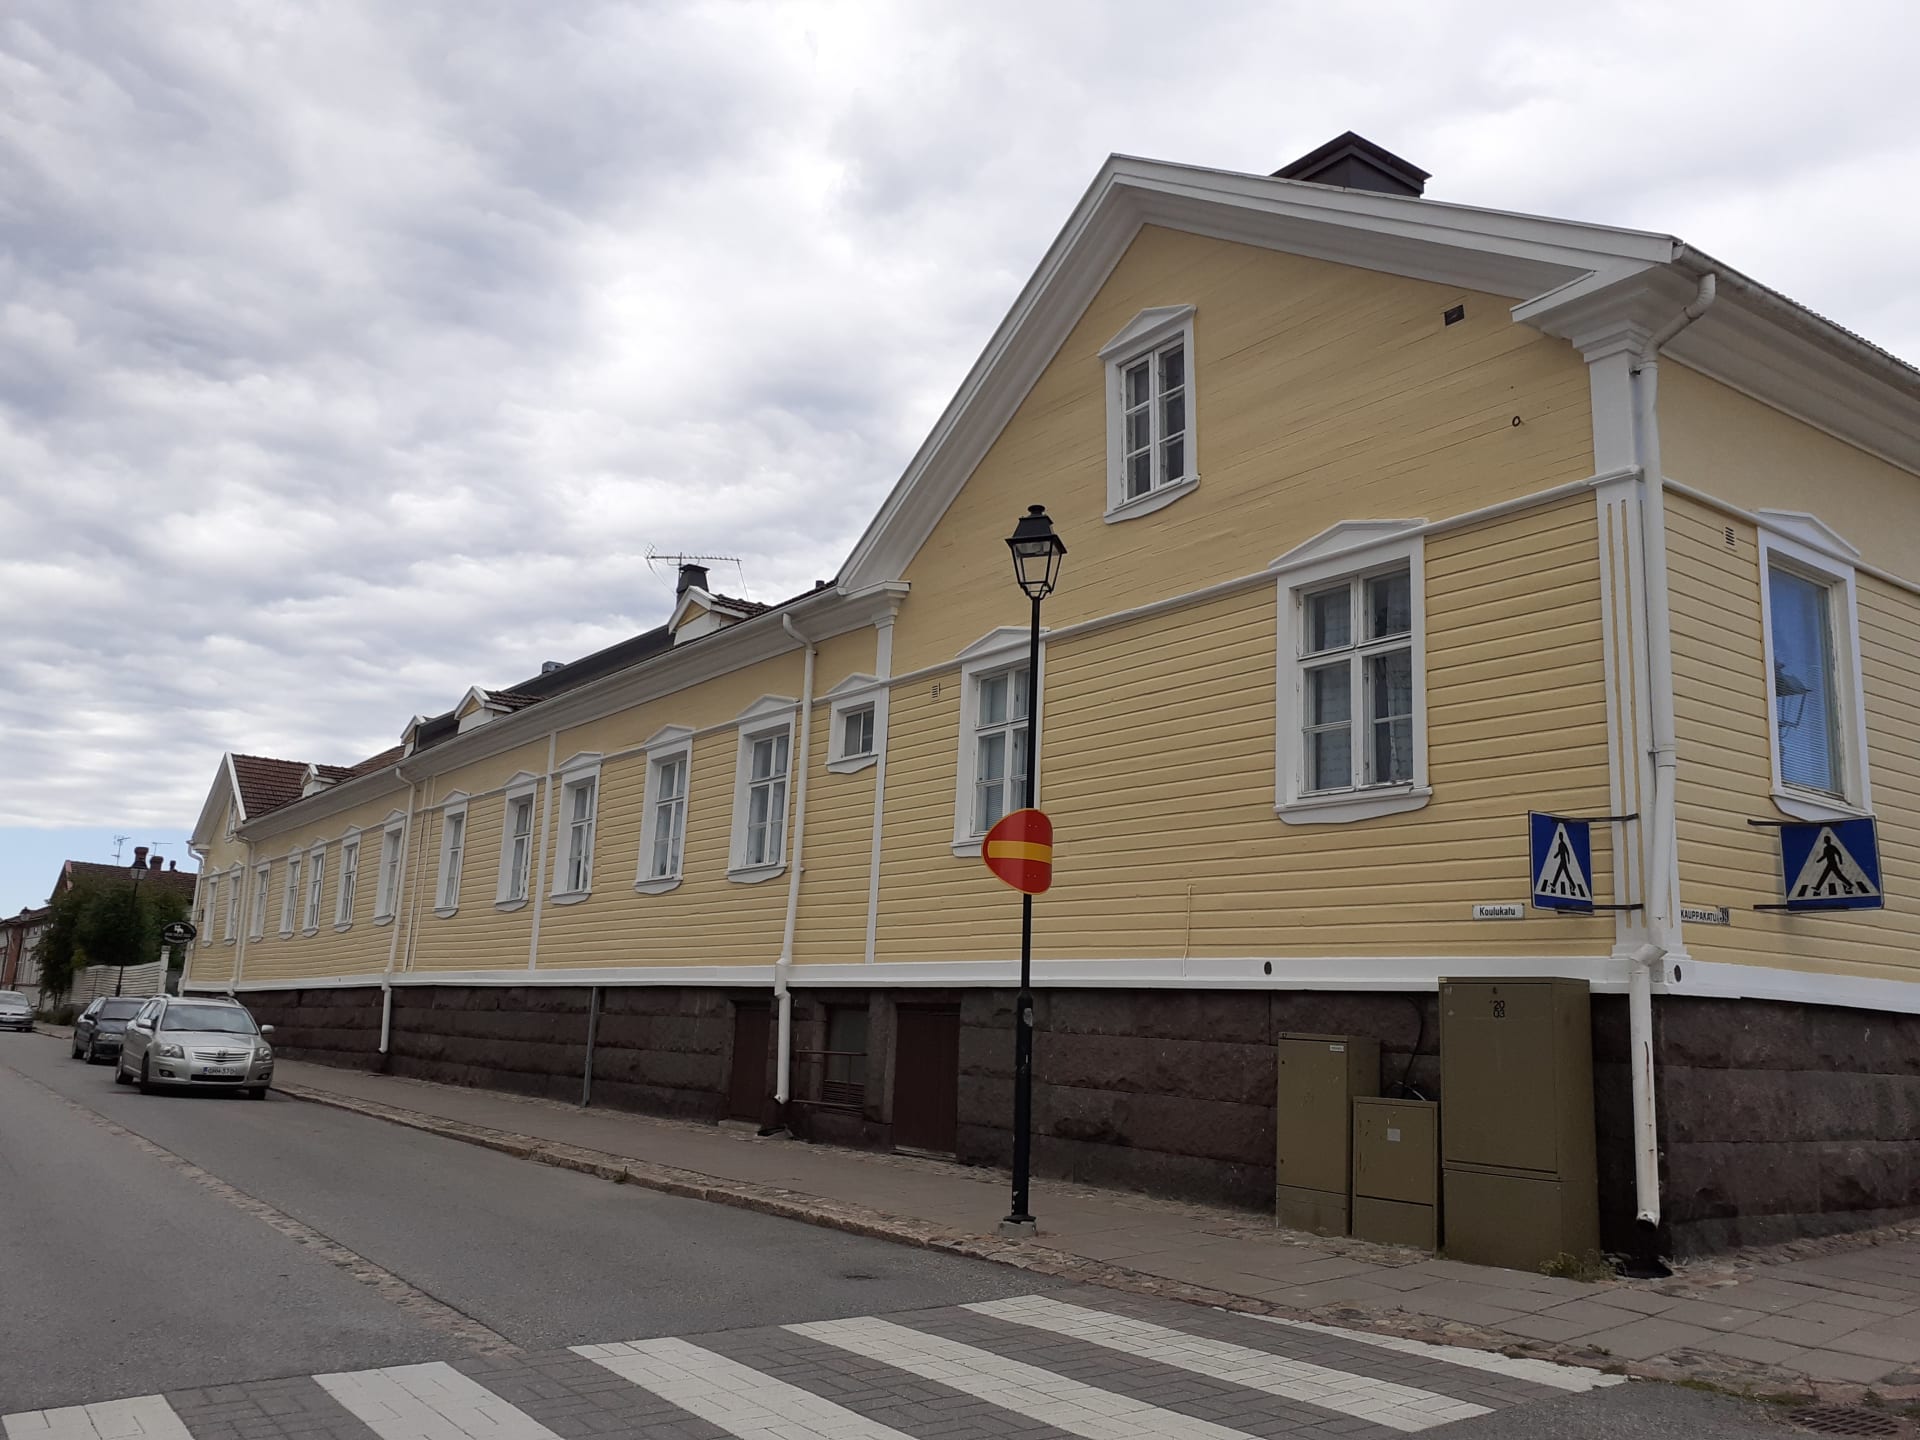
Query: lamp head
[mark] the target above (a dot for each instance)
(1036, 553)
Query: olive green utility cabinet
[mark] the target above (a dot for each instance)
(1313, 1159)
(1517, 1143)
(1396, 1172)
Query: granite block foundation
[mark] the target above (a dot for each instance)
(1776, 1120)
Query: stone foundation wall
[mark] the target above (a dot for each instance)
(325, 1026)
(1782, 1120)
(662, 1051)
(526, 1039)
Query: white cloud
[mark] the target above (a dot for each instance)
(354, 353)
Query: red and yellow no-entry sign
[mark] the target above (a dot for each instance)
(1020, 850)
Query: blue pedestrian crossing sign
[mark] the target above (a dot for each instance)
(1562, 862)
(1831, 865)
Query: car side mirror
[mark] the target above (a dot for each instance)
(266, 1029)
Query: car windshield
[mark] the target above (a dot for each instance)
(225, 1018)
(118, 1009)
(14, 995)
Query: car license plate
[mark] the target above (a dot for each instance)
(216, 1072)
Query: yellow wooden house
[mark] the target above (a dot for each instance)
(1389, 521)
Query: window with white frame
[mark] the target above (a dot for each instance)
(1352, 722)
(762, 772)
(349, 879)
(1814, 695)
(663, 831)
(392, 845)
(579, 797)
(997, 713)
(257, 923)
(517, 843)
(290, 896)
(453, 849)
(316, 875)
(209, 900)
(1150, 433)
(857, 723)
(234, 887)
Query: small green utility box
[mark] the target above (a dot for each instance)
(1396, 1171)
(1313, 1161)
(1517, 1151)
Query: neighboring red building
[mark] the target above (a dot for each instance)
(19, 935)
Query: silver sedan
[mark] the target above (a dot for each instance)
(198, 1042)
(16, 1011)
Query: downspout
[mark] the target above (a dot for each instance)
(783, 967)
(393, 946)
(1663, 931)
(248, 879)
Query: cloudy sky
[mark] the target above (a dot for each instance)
(353, 353)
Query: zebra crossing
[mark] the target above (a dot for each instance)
(1082, 1363)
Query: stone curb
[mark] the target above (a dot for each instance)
(1740, 1377)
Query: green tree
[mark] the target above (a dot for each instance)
(104, 923)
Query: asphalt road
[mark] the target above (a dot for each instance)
(158, 1243)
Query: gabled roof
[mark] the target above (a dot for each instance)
(265, 783)
(1558, 270)
(80, 872)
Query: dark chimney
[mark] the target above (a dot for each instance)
(692, 577)
(547, 667)
(154, 863)
(1355, 163)
(173, 864)
(139, 857)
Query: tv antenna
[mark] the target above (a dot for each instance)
(655, 560)
(118, 841)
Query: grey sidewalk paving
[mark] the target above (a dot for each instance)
(1829, 1317)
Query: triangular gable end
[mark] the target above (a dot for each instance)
(223, 794)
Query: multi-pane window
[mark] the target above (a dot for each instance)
(1001, 703)
(233, 908)
(766, 800)
(856, 732)
(1806, 696)
(453, 838)
(579, 813)
(349, 874)
(668, 799)
(257, 925)
(389, 896)
(209, 898)
(519, 847)
(290, 897)
(1153, 399)
(316, 873)
(1357, 682)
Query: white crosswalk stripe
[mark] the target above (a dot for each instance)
(1398, 1407)
(737, 1398)
(147, 1417)
(1024, 1389)
(1539, 1372)
(429, 1402)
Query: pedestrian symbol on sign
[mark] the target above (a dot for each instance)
(1562, 854)
(1830, 873)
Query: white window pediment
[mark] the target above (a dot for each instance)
(1339, 539)
(769, 708)
(1001, 640)
(1810, 531)
(668, 735)
(1152, 459)
(857, 723)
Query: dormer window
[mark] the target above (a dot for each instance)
(1150, 430)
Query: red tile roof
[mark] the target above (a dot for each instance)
(267, 784)
(75, 871)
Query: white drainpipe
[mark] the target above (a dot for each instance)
(783, 967)
(1663, 928)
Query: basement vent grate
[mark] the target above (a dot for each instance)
(1847, 1420)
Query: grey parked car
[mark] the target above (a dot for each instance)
(16, 1011)
(96, 1034)
(200, 1041)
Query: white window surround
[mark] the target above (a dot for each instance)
(1351, 549)
(257, 920)
(345, 898)
(290, 895)
(768, 718)
(393, 847)
(849, 697)
(1149, 331)
(316, 885)
(236, 879)
(514, 884)
(670, 745)
(209, 902)
(578, 775)
(1004, 648)
(453, 850)
(1803, 545)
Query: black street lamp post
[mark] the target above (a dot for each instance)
(1036, 565)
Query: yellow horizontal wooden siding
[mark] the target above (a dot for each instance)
(359, 950)
(1726, 773)
(1322, 393)
(1158, 769)
(1740, 450)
